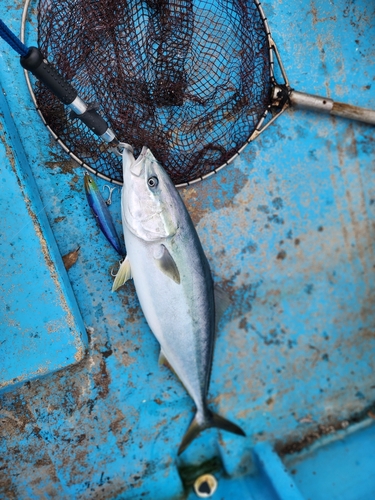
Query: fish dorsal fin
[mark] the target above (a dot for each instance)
(123, 275)
(166, 263)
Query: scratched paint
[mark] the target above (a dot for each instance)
(288, 230)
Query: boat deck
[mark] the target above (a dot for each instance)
(289, 233)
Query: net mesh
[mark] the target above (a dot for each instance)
(189, 79)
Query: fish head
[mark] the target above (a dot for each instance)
(149, 198)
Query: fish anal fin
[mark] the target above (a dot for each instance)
(208, 420)
(166, 263)
(123, 275)
(163, 361)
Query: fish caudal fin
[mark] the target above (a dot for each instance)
(210, 420)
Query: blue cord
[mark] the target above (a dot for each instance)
(12, 40)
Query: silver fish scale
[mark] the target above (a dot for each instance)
(181, 316)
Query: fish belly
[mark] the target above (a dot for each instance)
(180, 315)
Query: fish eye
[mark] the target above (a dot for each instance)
(153, 182)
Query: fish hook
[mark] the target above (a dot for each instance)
(110, 189)
(119, 148)
(114, 275)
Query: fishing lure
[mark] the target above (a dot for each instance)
(101, 213)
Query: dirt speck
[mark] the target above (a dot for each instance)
(102, 380)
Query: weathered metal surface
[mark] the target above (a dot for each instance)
(288, 230)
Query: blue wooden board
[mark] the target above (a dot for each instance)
(288, 230)
(41, 329)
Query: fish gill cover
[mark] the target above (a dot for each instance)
(190, 79)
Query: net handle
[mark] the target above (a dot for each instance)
(33, 60)
(304, 100)
(327, 105)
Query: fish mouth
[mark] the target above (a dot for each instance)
(137, 167)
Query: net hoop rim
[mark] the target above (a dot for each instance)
(272, 50)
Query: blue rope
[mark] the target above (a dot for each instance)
(12, 40)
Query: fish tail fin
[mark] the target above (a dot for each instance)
(226, 425)
(206, 421)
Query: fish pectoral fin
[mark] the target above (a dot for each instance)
(123, 275)
(166, 263)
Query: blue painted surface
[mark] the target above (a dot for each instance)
(275, 472)
(41, 329)
(288, 230)
(344, 468)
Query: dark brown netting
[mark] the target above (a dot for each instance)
(190, 79)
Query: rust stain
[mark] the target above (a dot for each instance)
(361, 229)
(15, 421)
(316, 19)
(74, 184)
(6, 485)
(59, 219)
(124, 350)
(130, 302)
(330, 426)
(367, 333)
(65, 166)
(214, 193)
(102, 380)
(119, 422)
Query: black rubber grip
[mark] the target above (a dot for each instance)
(94, 121)
(46, 73)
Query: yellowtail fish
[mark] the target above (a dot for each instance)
(172, 279)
